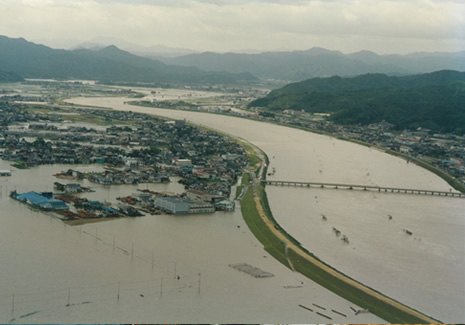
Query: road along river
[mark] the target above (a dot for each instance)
(424, 270)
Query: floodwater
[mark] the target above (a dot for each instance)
(424, 270)
(161, 269)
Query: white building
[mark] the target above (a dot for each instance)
(225, 205)
(5, 172)
(182, 206)
(182, 162)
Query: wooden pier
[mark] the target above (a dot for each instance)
(379, 189)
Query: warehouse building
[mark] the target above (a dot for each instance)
(41, 201)
(176, 205)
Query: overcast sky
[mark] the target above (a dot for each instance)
(382, 26)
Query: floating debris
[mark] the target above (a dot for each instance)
(408, 232)
(251, 270)
(345, 239)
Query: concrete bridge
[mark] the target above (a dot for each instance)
(379, 189)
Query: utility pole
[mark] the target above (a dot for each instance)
(117, 297)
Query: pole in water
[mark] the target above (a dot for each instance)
(13, 305)
(117, 297)
(132, 253)
(175, 271)
(69, 297)
(161, 286)
(199, 282)
(153, 260)
(113, 243)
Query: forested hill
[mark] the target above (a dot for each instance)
(10, 77)
(435, 100)
(30, 60)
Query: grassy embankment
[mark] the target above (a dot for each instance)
(273, 245)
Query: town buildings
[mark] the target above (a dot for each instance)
(44, 201)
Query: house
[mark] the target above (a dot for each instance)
(59, 187)
(201, 207)
(67, 188)
(182, 162)
(5, 173)
(405, 149)
(225, 205)
(196, 195)
(73, 188)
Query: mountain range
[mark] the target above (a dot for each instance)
(22, 59)
(19, 57)
(318, 62)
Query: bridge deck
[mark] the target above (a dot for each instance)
(379, 189)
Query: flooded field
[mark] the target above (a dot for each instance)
(162, 268)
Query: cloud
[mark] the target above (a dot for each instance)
(347, 25)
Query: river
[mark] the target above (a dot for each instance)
(423, 270)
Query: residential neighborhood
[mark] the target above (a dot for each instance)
(134, 149)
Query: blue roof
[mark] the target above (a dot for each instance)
(56, 203)
(111, 210)
(42, 201)
(33, 197)
(94, 204)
